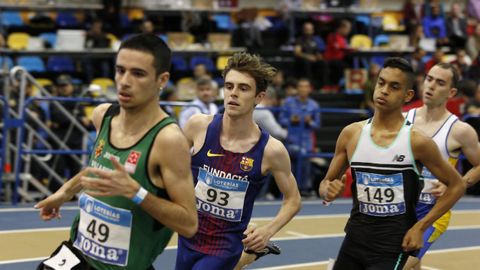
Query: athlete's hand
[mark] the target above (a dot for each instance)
(330, 190)
(256, 237)
(413, 239)
(50, 206)
(438, 189)
(110, 183)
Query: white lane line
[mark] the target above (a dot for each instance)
(293, 266)
(35, 230)
(23, 260)
(453, 250)
(429, 268)
(31, 209)
(301, 235)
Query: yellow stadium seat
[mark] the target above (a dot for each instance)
(136, 14)
(18, 40)
(113, 39)
(104, 83)
(222, 62)
(186, 88)
(361, 42)
(43, 82)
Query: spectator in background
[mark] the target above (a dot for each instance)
(308, 53)
(300, 114)
(417, 100)
(96, 38)
(369, 87)
(2, 39)
(462, 62)
(201, 71)
(472, 93)
(66, 131)
(203, 103)
(265, 119)
(169, 94)
(147, 27)
(335, 53)
(412, 13)
(434, 25)
(456, 27)
(417, 60)
(437, 58)
(473, 43)
(416, 36)
(474, 70)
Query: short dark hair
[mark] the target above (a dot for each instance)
(404, 66)
(453, 70)
(254, 65)
(152, 44)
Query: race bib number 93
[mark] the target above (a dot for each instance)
(220, 197)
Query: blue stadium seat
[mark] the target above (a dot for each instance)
(31, 63)
(200, 59)
(224, 22)
(60, 64)
(6, 59)
(50, 38)
(381, 40)
(66, 19)
(179, 63)
(11, 18)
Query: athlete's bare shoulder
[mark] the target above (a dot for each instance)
(99, 113)
(461, 130)
(353, 128)
(196, 128)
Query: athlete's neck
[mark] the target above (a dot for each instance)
(134, 121)
(388, 120)
(433, 113)
(238, 127)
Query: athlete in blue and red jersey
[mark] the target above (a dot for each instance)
(231, 157)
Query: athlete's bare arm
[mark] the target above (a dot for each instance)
(50, 207)
(277, 161)
(426, 151)
(466, 136)
(179, 213)
(196, 130)
(173, 174)
(333, 185)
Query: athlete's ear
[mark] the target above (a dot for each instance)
(453, 92)
(409, 95)
(259, 97)
(162, 79)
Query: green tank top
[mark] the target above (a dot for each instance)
(148, 237)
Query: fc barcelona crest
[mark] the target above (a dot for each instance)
(99, 148)
(246, 164)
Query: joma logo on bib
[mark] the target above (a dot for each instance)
(94, 249)
(215, 210)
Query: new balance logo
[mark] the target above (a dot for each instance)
(398, 158)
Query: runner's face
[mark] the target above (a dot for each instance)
(239, 92)
(390, 93)
(136, 80)
(437, 87)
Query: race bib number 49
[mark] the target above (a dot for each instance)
(429, 182)
(380, 195)
(103, 231)
(220, 197)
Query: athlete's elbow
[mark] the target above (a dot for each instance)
(190, 229)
